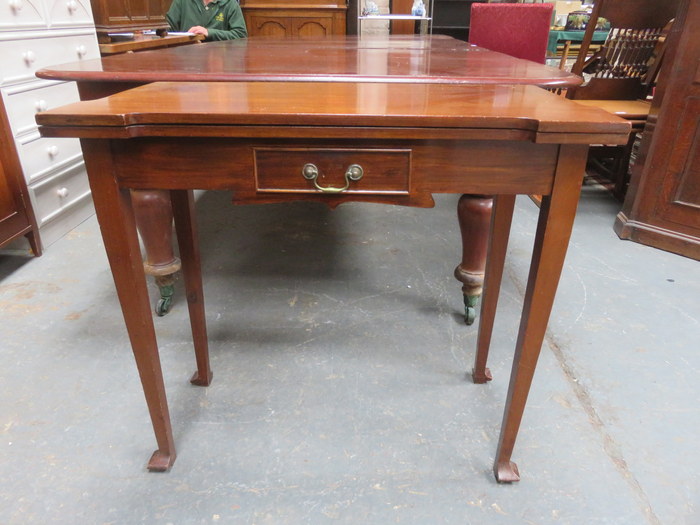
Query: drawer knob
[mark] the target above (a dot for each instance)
(72, 6)
(353, 173)
(62, 192)
(52, 151)
(29, 57)
(16, 5)
(41, 105)
(81, 50)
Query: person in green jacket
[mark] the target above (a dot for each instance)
(215, 19)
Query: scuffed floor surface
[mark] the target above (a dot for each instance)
(340, 393)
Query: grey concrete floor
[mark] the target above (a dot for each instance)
(340, 393)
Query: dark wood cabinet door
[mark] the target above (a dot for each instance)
(287, 19)
(16, 214)
(662, 207)
(268, 26)
(309, 27)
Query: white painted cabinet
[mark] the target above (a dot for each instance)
(36, 34)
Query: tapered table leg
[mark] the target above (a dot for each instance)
(474, 214)
(551, 240)
(115, 214)
(501, 219)
(187, 238)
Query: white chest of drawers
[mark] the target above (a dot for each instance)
(36, 34)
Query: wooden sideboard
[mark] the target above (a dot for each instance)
(128, 15)
(285, 18)
(662, 207)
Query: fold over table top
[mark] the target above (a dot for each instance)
(400, 59)
(166, 108)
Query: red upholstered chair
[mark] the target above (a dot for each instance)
(521, 31)
(518, 30)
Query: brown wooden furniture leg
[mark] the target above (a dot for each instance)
(34, 242)
(154, 220)
(474, 214)
(116, 218)
(498, 243)
(187, 239)
(551, 240)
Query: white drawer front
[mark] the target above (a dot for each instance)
(70, 13)
(24, 101)
(53, 195)
(19, 59)
(22, 14)
(43, 155)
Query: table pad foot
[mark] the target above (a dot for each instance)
(206, 381)
(481, 378)
(161, 461)
(506, 472)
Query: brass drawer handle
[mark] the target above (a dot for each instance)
(353, 173)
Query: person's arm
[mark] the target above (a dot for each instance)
(174, 16)
(234, 22)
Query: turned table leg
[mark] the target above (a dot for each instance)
(474, 214)
(154, 219)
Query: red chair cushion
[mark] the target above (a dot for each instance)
(518, 30)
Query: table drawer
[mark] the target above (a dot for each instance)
(333, 170)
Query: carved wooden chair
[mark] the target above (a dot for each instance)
(522, 31)
(621, 74)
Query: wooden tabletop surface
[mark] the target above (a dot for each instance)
(401, 59)
(525, 108)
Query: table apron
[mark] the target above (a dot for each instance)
(258, 169)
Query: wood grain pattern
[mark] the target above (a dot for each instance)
(424, 106)
(402, 59)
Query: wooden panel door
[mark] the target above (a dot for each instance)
(310, 27)
(662, 208)
(265, 25)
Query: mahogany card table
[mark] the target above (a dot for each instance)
(337, 140)
(436, 59)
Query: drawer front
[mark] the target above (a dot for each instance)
(70, 13)
(23, 102)
(381, 171)
(19, 59)
(22, 14)
(42, 155)
(56, 194)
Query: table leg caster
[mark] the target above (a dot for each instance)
(166, 287)
(470, 302)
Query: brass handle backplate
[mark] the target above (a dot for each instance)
(353, 173)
